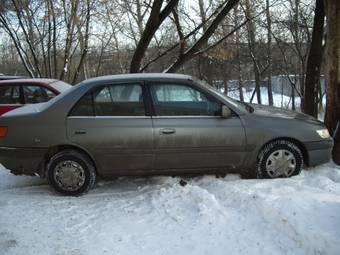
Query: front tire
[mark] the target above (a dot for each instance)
(70, 173)
(279, 159)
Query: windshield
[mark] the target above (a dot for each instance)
(234, 103)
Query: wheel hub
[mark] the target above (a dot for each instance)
(69, 175)
(280, 163)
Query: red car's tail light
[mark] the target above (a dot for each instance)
(3, 131)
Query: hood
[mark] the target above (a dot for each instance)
(271, 111)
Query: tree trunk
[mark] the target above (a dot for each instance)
(251, 44)
(270, 67)
(314, 62)
(190, 53)
(84, 42)
(332, 73)
(155, 20)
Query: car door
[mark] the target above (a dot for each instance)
(190, 132)
(111, 123)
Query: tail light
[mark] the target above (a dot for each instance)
(3, 131)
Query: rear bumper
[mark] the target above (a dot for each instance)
(22, 160)
(319, 152)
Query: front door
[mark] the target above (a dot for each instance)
(190, 132)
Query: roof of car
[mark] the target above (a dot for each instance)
(6, 77)
(28, 81)
(140, 76)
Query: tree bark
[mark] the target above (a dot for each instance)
(332, 73)
(251, 45)
(270, 67)
(314, 62)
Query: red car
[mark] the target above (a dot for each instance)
(19, 92)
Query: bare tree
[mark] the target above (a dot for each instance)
(51, 37)
(269, 50)
(156, 18)
(313, 72)
(252, 44)
(196, 47)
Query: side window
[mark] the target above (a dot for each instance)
(37, 94)
(9, 94)
(112, 100)
(84, 106)
(179, 99)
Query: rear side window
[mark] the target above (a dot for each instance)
(32, 94)
(112, 100)
(37, 94)
(9, 94)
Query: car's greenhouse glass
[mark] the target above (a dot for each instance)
(37, 94)
(9, 95)
(60, 86)
(231, 101)
(182, 100)
(112, 100)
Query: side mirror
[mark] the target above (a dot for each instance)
(226, 112)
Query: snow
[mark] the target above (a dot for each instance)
(156, 215)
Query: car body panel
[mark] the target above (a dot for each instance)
(153, 144)
(115, 142)
(198, 142)
(8, 107)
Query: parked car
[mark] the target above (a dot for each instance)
(143, 124)
(15, 93)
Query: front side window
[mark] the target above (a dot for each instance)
(112, 100)
(182, 100)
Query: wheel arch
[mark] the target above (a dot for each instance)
(55, 149)
(299, 144)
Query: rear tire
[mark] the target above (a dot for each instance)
(279, 159)
(70, 173)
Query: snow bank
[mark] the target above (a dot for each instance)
(156, 215)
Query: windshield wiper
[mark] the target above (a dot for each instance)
(248, 107)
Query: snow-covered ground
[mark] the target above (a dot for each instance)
(156, 215)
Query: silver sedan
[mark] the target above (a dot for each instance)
(165, 124)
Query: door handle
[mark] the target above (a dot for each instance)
(167, 131)
(80, 131)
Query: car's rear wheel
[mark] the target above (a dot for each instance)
(70, 173)
(279, 159)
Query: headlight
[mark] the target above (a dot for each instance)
(323, 133)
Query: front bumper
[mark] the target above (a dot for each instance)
(319, 152)
(22, 160)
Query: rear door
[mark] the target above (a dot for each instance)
(111, 123)
(190, 132)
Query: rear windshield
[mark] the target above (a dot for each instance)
(60, 86)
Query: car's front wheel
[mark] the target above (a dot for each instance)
(279, 159)
(70, 173)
